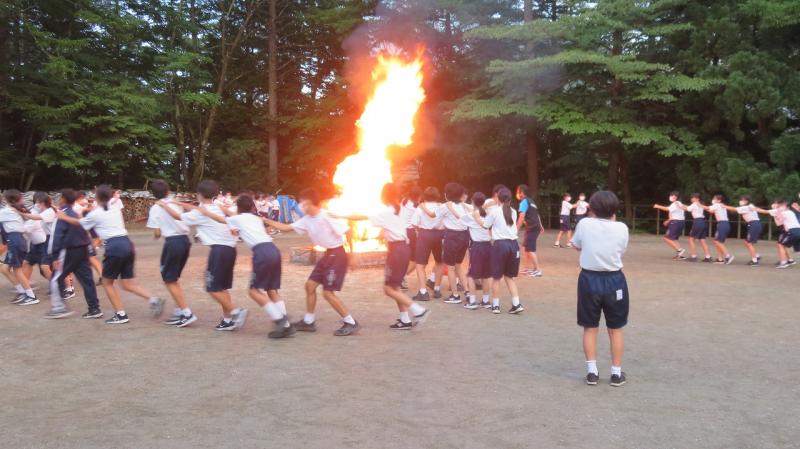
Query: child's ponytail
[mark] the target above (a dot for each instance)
(103, 195)
(504, 195)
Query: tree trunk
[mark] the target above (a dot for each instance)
(612, 180)
(532, 144)
(120, 180)
(626, 186)
(527, 10)
(273, 96)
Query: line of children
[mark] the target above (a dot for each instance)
(13, 223)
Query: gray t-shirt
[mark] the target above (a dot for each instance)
(602, 243)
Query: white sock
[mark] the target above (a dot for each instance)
(273, 311)
(349, 319)
(472, 299)
(404, 317)
(432, 277)
(416, 309)
(515, 300)
(616, 370)
(153, 300)
(178, 311)
(29, 292)
(754, 259)
(591, 366)
(185, 312)
(309, 318)
(121, 313)
(485, 298)
(19, 288)
(282, 306)
(437, 288)
(227, 319)
(496, 302)
(423, 291)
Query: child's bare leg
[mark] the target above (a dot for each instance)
(438, 272)
(535, 260)
(402, 300)
(673, 244)
(19, 274)
(27, 269)
(751, 249)
(512, 287)
(98, 268)
(129, 286)
(6, 270)
(461, 273)
(692, 247)
(224, 299)
(590, 343)
(558, 237)
(45, 271)
(113, 294)
(706, 252)
(311, 296)
(176, 292)
(451, 278)
(258, 296)
(335, 302)
(617, 346)
(274, 296)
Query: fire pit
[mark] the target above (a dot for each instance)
(308, 255)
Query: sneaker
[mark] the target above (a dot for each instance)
(471, 305)
(782, 265)
(186, 320)
(719, 261)
(347, 329)
(302, 326)
(592, 378)
(728, 259)
(680, 253)
(28, 301)
(692, 259)
(422, 297)
(117, 319)
(430, 284)
(420, 319)
(174, 319)
(754, 263)
(55, 314)
(19, 298)
(791, 262)
(225, 325)
(401, 326)
(516, 309)
(486, 304)
(536, 273)
(240, 318)
(453, 299)
(68, 293)
(569, 245)
(495, 309)
(618, 380)
(157, 308)
(437, 294)
(557, 245)
(92, 314)
(708, 260)
(282, 331)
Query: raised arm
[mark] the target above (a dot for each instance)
(354, 217)
(660, 207)
(732, 209)
(761, 211)
(277, 225)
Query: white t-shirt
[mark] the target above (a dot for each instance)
(602, 243)
(720, 213)
(581, 207)
(158, 218)
(450, 221)
(477, 233)
(566, 208)
(393, 225)
(251, 229)
(424, 221)
(48, 219)
(748, 212)
(323, 230)
(789, 219)
(210, 232)
(116, 203)
(777, 215)
(106, 223)
(407, 212)
(676, 211)
(11, 219)
(35, 232)
(697, 210)
(497, 222)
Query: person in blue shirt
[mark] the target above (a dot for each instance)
(529, 219)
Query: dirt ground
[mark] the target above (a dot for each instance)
(711, 361)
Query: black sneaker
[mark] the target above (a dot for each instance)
(754, 263)
(486, 304)
(728, 259)
(56, 314)
(453, 299)
(719, 261)
(186, 320)
(516, 309)
(68, 294)
(92, 314)
(592, 378)
(225, 325)
(708, 260)
(302, 326)
(422, 296)
(117, 319)
(430, 284)
(437, 294)
(28, 301)
(791, 262)
(19, 298)
(692, 259)
(618, 380)
(495, 309)
(783, 265)
(401, 326)
(173, 320)
(282, 331)
(347, 329)
(471, 305)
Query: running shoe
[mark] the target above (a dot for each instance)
(225, 325)
(347, 329)
(516, 309)
(92, 314)
(55, 314)
(118, 319)
(618, 380)
(302, 326)
(401, 326)
(186, 320)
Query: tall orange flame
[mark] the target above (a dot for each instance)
(387, 121)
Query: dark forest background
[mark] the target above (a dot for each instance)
(640, 97)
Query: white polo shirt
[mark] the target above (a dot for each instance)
(392, 225)
(251, 229)
(676, 211)
(450, 221)
(158, 218)
(748, 212)
(11, 220)
(496, 221)
(323, 230)
(424, 221)
(106, 223)
(602, 243)
(697, 210)
(210, 232)
(720, 213)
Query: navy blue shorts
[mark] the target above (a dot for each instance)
(480, 260)
(174, 255)
(531, 236)
(606, 292)
(429, 241)
(723, 229)
(454, 246)
(17, 249)
(119, 258)
(675, 229)
(412, 242)
(219, 271)
(266, 267)
(563, 223)
(330, 270)
(37, 254)
(753, 231)
(790, 238)
(505, 259)
(699, 229)
(397, 257)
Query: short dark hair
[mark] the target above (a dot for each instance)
(676, 193)
(780, 201)
(208, 188)
(497, 188)
(309, 194)
(69, 195)
(43, 197)
(719, 196)
(12, 196)
(160, 188)
(523, 188)
(745, 197)
(453, 191)
(603, 204)
(696, 195)
(566, 194)
(431, 194)
(245, 203)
